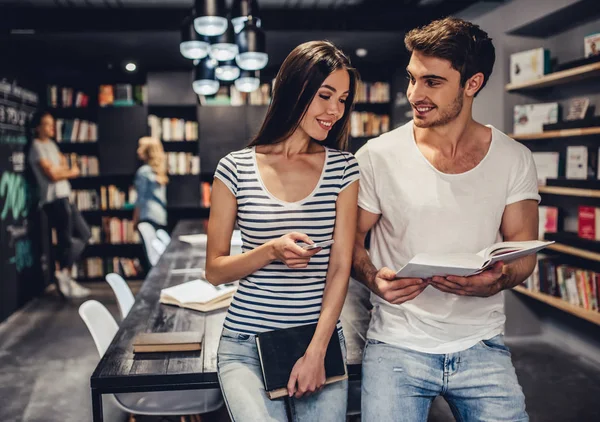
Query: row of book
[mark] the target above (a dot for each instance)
(229, 95)
(63, 97)
(577, 286)
(98, 267)
(88, 165)
(116, 231)
(581, 163)
(183, 163)
(368, 124)
(372, 92)
(122, 95)
(172, 129)
(75, 130)
(112, 198)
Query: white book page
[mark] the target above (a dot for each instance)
(198, 291)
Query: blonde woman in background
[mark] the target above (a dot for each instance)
(151, 184)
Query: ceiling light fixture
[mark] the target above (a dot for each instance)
(240, 10)
(205, 82)
(192, 46)
(210, 19)
(248, 81)
(361, 52)
(223, 47)
(252, 43)
(130, 67)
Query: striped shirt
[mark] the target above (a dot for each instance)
(276, 296)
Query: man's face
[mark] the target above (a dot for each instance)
(434, 91)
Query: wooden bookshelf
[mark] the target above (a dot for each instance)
(561, 304)
(553, 134)
(571, 250)
(558, 78)
(560, 190)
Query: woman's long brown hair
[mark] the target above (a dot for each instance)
(297, 82)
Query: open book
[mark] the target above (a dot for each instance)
(426, 265)
(199, 295)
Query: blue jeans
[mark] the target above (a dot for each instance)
(479, 383)
(243, 389)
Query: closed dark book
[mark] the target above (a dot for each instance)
(279, 350)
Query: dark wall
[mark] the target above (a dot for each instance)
(20, 257)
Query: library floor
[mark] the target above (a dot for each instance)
(47, 356)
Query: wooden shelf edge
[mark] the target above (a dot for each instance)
(561, 190)
(571, 250)
(561, 304)
(563, 133)
(557, 78)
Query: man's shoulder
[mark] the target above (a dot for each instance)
(508, 146)
(389, 141)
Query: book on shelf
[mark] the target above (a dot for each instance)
(531, 118)
(205, 193)
(580, 163)
(172, 129)
(88, 165)
(69, 97)
(427, 265)
(98, 267)
(122, 95)
(279, 350)
(364, 123)
(577, 286)
(182, 341)
(548, 220)
(182, 163)
(199, 295)
(75, 130)
(546, 164)
(591, 45)
(372, 92)
(527, 66)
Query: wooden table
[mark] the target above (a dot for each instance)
(120, 371)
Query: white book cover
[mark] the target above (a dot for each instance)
(426, 265)
(531, 118)
(577, 162)
(197, 291)
(592, 44)
(526, 66)
(546, 164)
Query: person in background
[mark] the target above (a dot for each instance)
(292, 184)
(442, 183)
(52, 174)
(151, 184)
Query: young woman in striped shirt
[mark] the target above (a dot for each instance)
(292, 184)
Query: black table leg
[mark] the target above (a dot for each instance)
(97, 406)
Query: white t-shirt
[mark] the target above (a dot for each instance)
(425, 210)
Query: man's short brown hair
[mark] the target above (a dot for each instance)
(466, 46)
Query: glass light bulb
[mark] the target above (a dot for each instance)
(205, 87)
(223, 51)
(252, 60)
(194, 49)
(210, 25)
(247, 84)
(227, 73)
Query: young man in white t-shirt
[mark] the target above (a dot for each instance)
(442, 183)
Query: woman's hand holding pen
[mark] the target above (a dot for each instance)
(287, 251)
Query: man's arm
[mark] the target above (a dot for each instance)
(57, 173)
(519, 222)
(382, 282)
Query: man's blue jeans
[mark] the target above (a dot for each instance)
(479, 383)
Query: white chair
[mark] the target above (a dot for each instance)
(122, 291)
(158, 246)
(163, 236)
(103, 328)
(148, 234)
